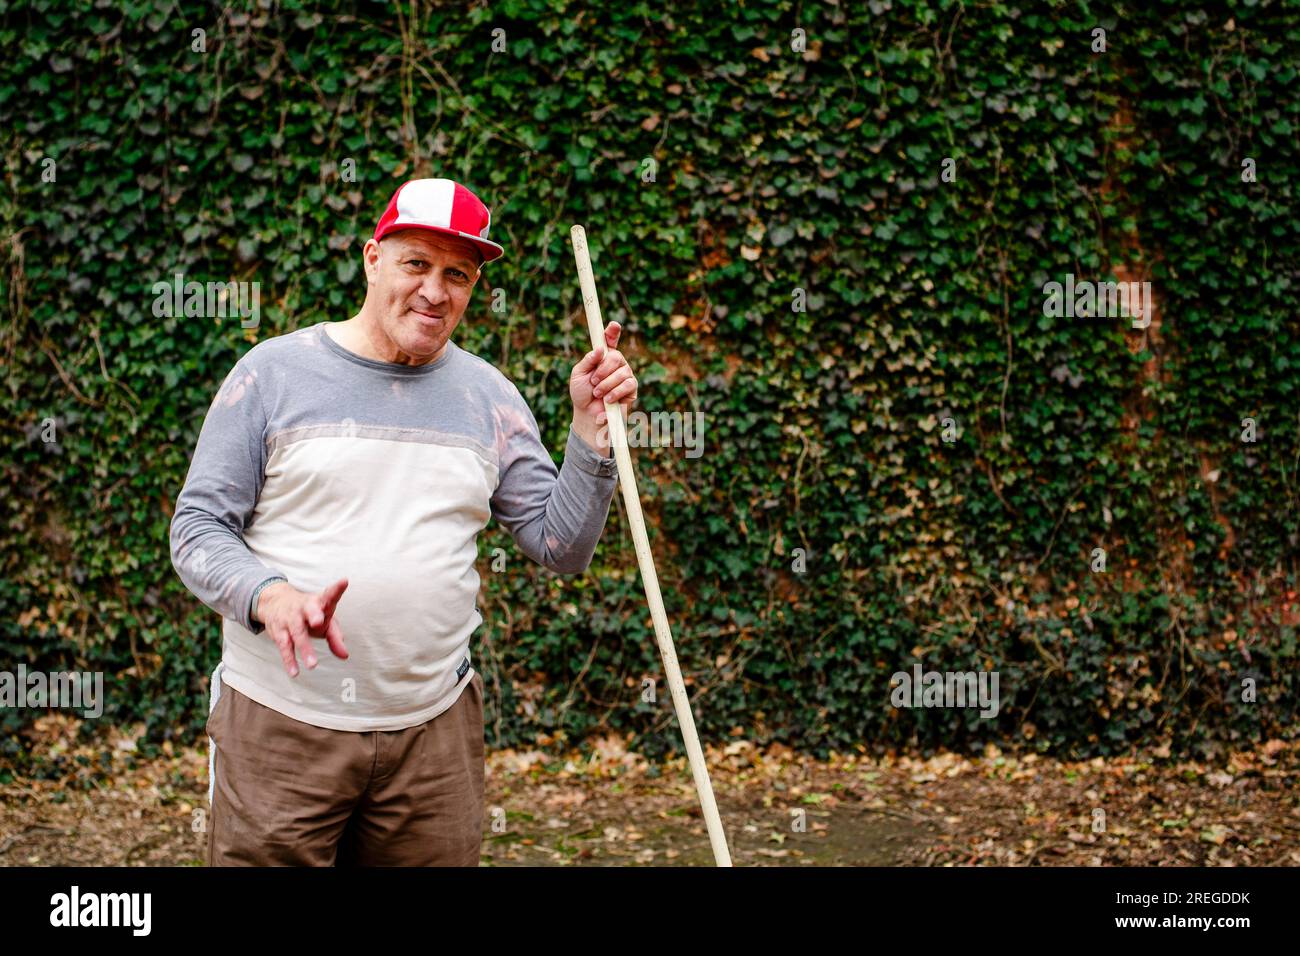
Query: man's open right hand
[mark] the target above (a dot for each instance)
(294, 617)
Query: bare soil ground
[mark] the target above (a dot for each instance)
(83, 805)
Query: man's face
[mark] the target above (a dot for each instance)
(421, 282)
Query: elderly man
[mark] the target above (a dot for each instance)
(335, 496)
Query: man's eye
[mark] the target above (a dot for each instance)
(458, 273)
(415, 262)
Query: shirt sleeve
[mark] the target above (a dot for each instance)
(555, 516)
(217, 501)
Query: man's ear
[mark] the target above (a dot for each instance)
(370, 254)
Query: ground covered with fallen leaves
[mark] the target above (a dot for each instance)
(83, 804)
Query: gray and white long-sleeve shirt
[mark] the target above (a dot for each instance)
(315, 463)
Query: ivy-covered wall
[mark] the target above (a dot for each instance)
(826, 227)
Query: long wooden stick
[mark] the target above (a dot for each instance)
(632, 501)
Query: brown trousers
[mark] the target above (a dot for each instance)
(288, 793)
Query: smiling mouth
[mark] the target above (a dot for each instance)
(436, 318)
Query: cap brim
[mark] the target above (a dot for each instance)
(487, 247)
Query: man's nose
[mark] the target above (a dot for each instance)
(433, 289)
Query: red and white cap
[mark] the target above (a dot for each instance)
(440, 205)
